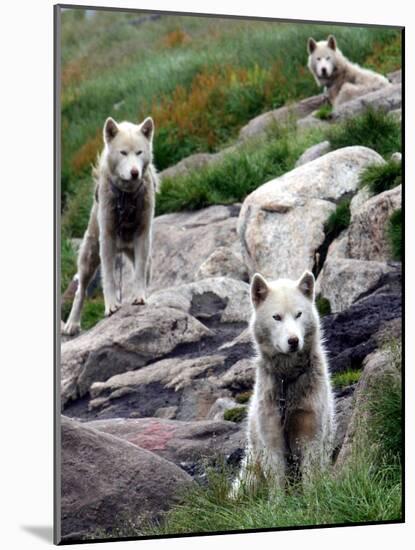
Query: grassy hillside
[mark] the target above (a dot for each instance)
(200, 78)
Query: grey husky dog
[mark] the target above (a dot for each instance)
(121, 215)
(342, 79)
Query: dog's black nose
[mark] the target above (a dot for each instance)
(324, 71)
(293, 343)
(134, 173)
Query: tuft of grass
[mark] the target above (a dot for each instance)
(373, 129)
(382, 177)
(346, 378)
(339, 219)
(325, 112)
(243, 397)
(323, 306)
(237, 414)
(394, 232)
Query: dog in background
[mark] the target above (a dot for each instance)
(121, 216)
(342, 79)
(291, 413)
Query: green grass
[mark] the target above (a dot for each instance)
(201, 78)
(347, 378)
(243, 397)
(373, 129)
(323, 306)
(382, 177)
(237, 414)
(366, 488)
(394, 231)
(339, 219)
(325, 112)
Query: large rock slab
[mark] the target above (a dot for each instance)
(223, 262)
(388, 98)
(107, 483)
(184, 240)
(189, 384)
(128, 340)
(367, 233)
(187, 444)
(260, 124)
(352, 334)
(281, 224)
(342, 281)
(221, 298)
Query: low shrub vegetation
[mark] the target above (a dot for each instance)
(325, 112)
(394, 231)
(382, 177)
(373, 129)
(346, 378)
(237, 414)
(323, 306)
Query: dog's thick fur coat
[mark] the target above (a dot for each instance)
(121, 216)
(291, 412)
(342, 79)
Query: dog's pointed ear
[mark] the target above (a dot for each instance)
(306, 285)
(311, 45)
(110, 129)
(331, 42)
(147, 128)
(259, 289)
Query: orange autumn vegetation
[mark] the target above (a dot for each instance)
(176, 38)
(87, 154)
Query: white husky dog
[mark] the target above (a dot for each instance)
(121, 216)
(291, 413)
(342, 79)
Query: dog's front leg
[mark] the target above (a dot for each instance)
(142, 247)
(108, 254)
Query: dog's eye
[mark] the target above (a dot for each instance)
(298, 314)
(318, 58)
(328, 58)
(124, 153)
(277, 317)
(138, 153)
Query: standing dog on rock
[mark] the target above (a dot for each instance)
(342, 79)
(291, 413)
(121, 217)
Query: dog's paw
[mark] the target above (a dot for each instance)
(111, 309)
(139, 301)
(70, 329)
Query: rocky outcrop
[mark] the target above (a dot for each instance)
(220, 298)
(108, 484)
(351, 335)
(314, 152)
(186, 444)
(185, 240)
(281, 224)
(342, 281)
(366, 237)
(128, 340)
(385, 99)
(260, 124)
(223, 262)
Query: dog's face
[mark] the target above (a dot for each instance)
(284, 313)
(322, 57)
(129, 151)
